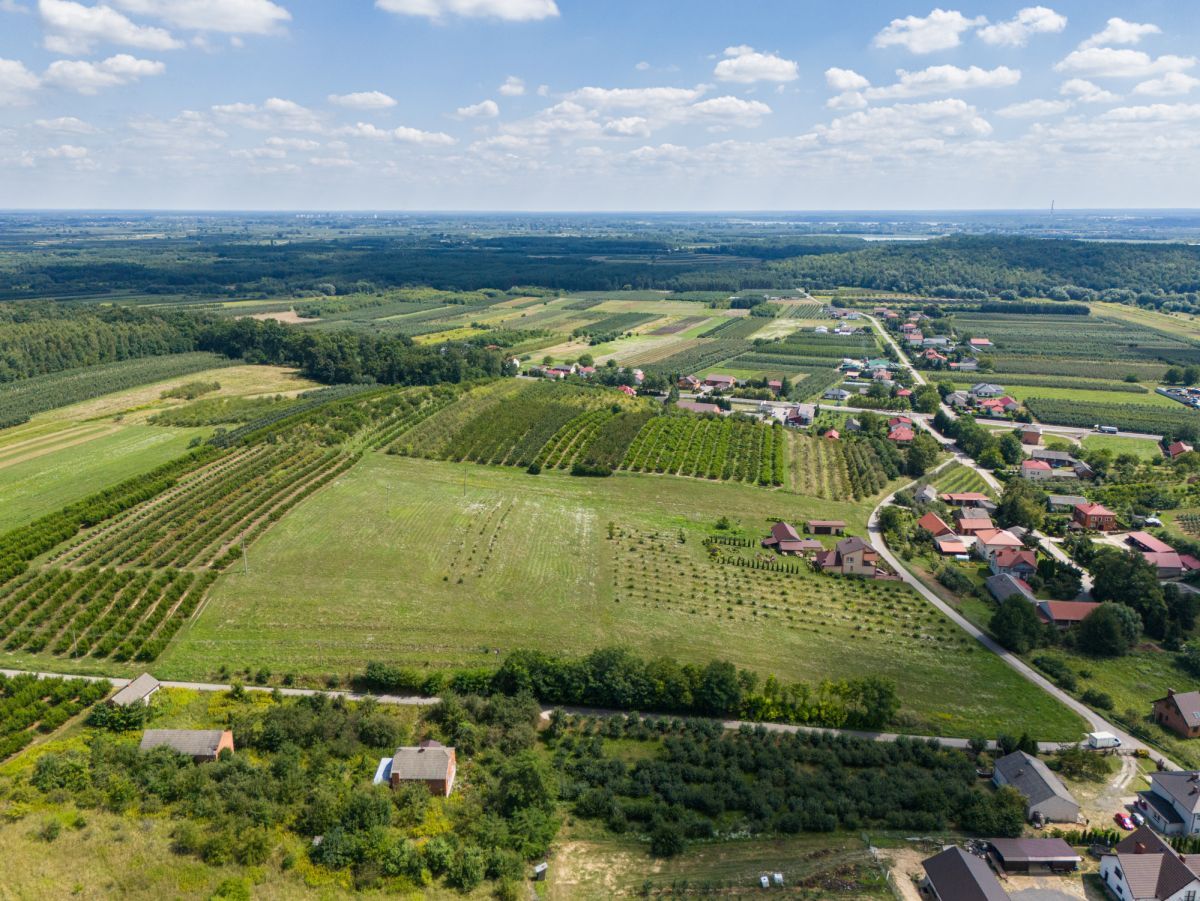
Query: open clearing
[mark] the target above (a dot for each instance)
(442, 565)
(1139, 447)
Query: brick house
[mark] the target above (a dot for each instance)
(1096, 517)
(1031, 435)
(1036, 470)
(430, 762)
(1014, 561)
(851, 557)
(1179, 712)
(202, 745)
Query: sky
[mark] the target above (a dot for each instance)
(598, 105)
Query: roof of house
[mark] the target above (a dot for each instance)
(1189, 562)
(964, 496)
(1187, 703)
(1065, 611)
(1032, 778)
(826, 524)
(981, 342)
(1147, 542)
(1057, 456)
(934, 524)
(136, 690)
(1003, 586)
(1035, 466)
(695, 407)
(950, 544)
(998, 538)
(1094, 510)
(192, 742)
(1152, 868)
(427, 761)
(833, 435)
(959, 876)
(726, 379)
(1066, 500)
(852, 544)
(1175, 448)
(1034, 850)
(974, 518)
(784, 531)
(899, 420)
(901, 433)
(1010, 556)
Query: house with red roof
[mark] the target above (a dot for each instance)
(833, 435)
(1064, 614)
(980, 342)
(902, 435)
(1176, 448)
(775, 385)
(1096, 517)
(1018, 562)
(720, 381)
(950, 545)
(971, 521)
(989, 541)
(626, 390)
(903, 392)
(934, 525)
(1036, 470)
(933, 356)
(899, 420)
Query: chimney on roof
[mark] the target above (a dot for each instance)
(1139, 848)
(1170, 692)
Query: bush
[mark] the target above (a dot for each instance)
(666, 841)
(1098, 699)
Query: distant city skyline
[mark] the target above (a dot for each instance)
(538, 105)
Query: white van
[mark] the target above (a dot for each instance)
(1099, 741)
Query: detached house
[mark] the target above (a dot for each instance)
(986, 389)
(955, 875)
(720, 381)
(1142, 867)
(1004, 586)
(1036, 470)
(1065, 614)
(786, 540)
(202, 745)
(992, 541)
(901, 435)
(1096, 517)
(1016, 562)
(934, 525)
(1176, 448)
(1172, 803)
(1043, 791)
(430, 763)
(1179, 711)
(851, 557)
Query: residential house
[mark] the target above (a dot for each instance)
(853, 425)
(899, 420)
(1014, 561)
(1036, 470)
(966, 498)
(1044, 792)
(627, 391)
(1176, 448)
(986, 389)
(1035, 856)
(202, 745)
(914, 339)
(1064, 503)
(991, 407)
(1096, 517)
(1065, 614)
(1005, 586)
(1031, 434)
(1179, 711)
(1142, 867)
(775, 385)
(695, 407)
(904, 392)
(851, 557)
(934, 525)
(971, 521)
(979, 343)
(932, 356)
(825, 527)
(901, 435)
(836, 394)
(989, 541)
(955, 875)
(430, 763)
(951, 545)
(139, 691)
(926, 494)
(958, 399)
(967, 364)
(786, 540)
(1008, 404)
(1172, 803)
(720, 382)
(801, 414)
(821, 330)
(688, 383)
(936, 341)
(1056, 458)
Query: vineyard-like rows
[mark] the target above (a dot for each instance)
(741, 327)
(694, 359)
(815, 384)
(1069, 382)
(28, 703)
(1078, 336)
(1101, 369)
(712, 448)
(22, 399)
(432, 438)
(822, 346)
(779, 361)
(1127, 417)
(616, 324)
(959, 478)
(836, 469)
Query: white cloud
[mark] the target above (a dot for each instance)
(403, 134)
(363, 100)
(1156, 112)
(274, 114)
(642, 66)
(259, 153)
(845, 80)
(1119, 31)
(75, 28)
(543, 90)
(512, 87)
(16, 82)
(1107, 62)
(292, 143)
(1169, 85)
(12, 6)
(228, 16)
(944, 80)
(635, 98)
(948, 118)
(728, 110)
(1034, 109)
(1086, 91)
(940, 30)
(66, 125)
(1017, 31)
(88, 78)
(508, 10)
(66, 152)
(485, 109)
(847, 100)
(628, 126)
(745, 65)
(333, 162)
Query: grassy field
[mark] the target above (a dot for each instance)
(1182, 325)
(1139, 447)
(39, 476)
(959, 478)
(1152, 399)
(440, 565)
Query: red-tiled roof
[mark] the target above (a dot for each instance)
(1035, 465)
(1094, 510)
(934, 524)
(901, 433)
(1147, 542)
(1067, 611)
(1008, 557)
(960, 496)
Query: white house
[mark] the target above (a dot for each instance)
(1172, 803)
(1142, 867)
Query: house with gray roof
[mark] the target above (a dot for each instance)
(1142, 867)
(1179, 711)
(139, 691)
(1043, 791)
(1172, 803)
(1064, 503)
(955, 875)
(430, 763)
(987, 389)
(202, 745)
(1005, 585)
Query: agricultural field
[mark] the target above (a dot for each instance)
(835, 469)
(1052, 390)
(1153, 420)
(1143, 448)
(1182, 325)
(455, 564)
(30, 706)
(1078, 337)
(957, 478)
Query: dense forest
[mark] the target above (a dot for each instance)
(972, 267)
(43, 338)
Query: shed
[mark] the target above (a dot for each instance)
(139, 691)
(430, 762)
(202, 745)
(1043, 791)
(1035, 855)
(826, 526)
(955, 875)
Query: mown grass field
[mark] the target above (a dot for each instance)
(439, 565)
(41, 475)
(1139, 447)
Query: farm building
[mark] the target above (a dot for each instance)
(1056, 458)
(934, 525)
(786, 540)
(950, 545)
(694, 407)
(1034, 855)
(955, 875)
(1031, 434)
(1147, 543)
(1064, 503)
(972, 522)
(1043, 791)
(832, 435)
(1064, 614)
(1004, 586)
(775, 385)
(1172, 803)
(1144, 867)
(139, 691)
(926, 494)
(1177, 448)
(979, 342)
(429, 762)
(202, 745)
(720, 381)
(966, 499)
(1179, 711)
(966, 365)
(1167, 564)
(825, 527)
(1096, 517)
(688, 383)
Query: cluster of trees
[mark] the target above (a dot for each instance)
(768, 782)
(27, 701)
(914, 460)
(618, 678)
(988, 449)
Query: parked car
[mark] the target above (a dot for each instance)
(1122, 819)
(1138, 819)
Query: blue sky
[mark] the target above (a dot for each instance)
(598, 105)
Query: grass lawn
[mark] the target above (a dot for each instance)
(1144, 448)
(1150, 399)
(42, 475)
(443, 565)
